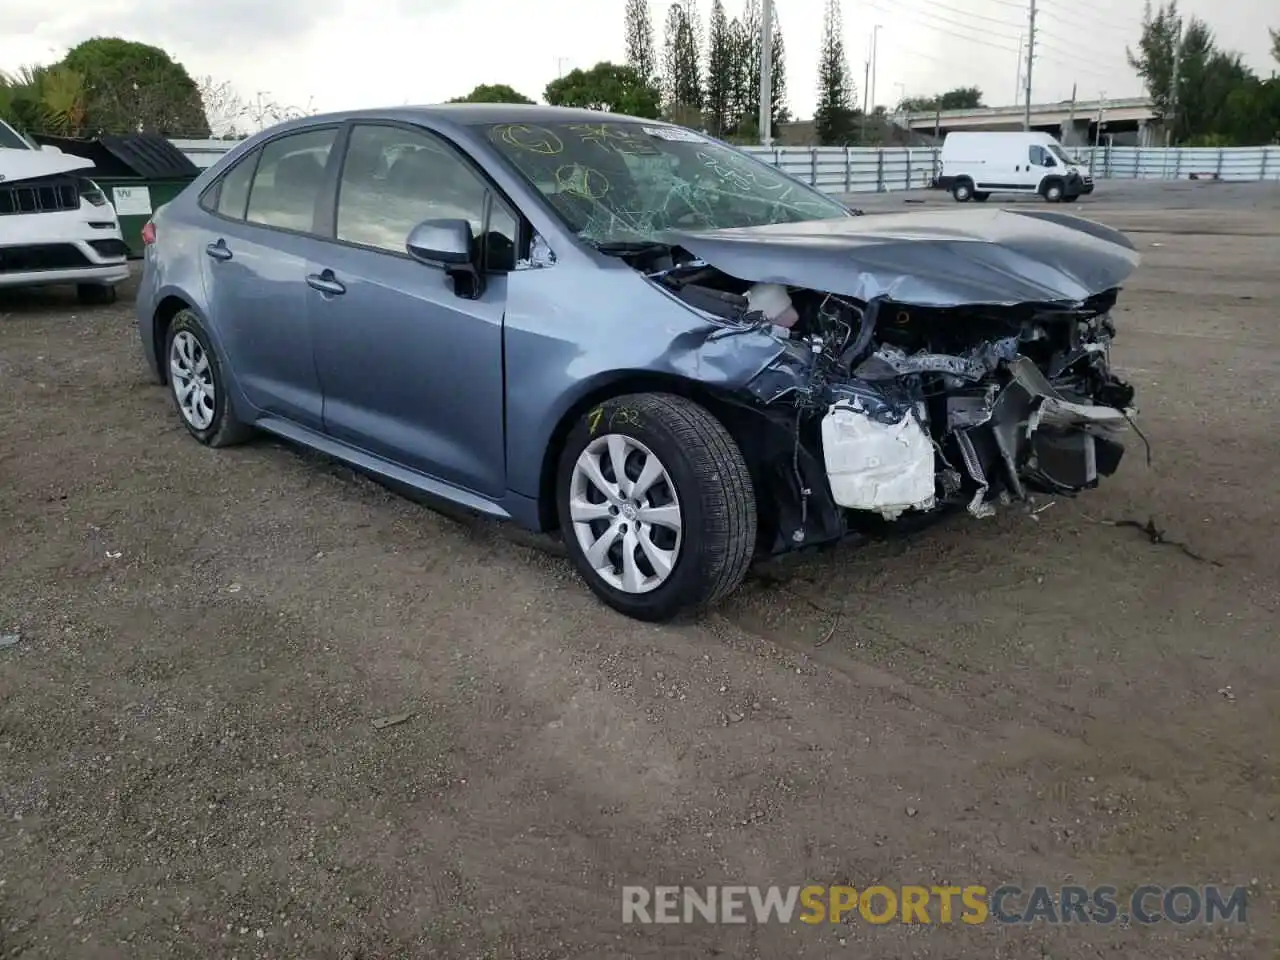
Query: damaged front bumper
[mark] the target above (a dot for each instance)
(917, 433)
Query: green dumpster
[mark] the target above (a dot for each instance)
(139, 173)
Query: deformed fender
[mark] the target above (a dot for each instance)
(559, 350)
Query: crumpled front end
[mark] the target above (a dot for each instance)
(881, 409)
(915, 409)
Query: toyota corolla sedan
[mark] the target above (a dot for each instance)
(677, 357)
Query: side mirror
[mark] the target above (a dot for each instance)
(448, 243)
(441, 241)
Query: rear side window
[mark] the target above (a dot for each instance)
(231, 195)
(289, 179)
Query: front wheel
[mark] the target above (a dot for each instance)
(1053, 191)
(656, 505)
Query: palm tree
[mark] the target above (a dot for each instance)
(49, 99)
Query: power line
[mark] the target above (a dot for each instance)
(1077, 67)
(1083, 56)
(970, 16)
(964, 24)
(1093, 15)
(928, 24)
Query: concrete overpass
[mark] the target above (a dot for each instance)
(1130, 121)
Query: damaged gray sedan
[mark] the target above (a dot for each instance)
(676, 356)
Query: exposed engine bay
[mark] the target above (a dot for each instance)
(907, 409)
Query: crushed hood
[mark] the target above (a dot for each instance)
(27, 164)
(932, 259)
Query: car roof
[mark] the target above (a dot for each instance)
(469, 114)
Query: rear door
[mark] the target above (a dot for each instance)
(410, 364)
(255, 251)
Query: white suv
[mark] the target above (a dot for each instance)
(56, 226)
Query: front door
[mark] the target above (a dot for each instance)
(254, 257)
(411, 368)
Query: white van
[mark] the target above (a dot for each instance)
(56, 226)
(976, 165)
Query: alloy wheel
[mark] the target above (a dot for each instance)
(625, 513)
(192, 380)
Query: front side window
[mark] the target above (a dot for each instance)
(629, 181)
(289, 179)
(1037, 156)
(394, 178)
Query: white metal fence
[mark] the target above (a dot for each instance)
(876, 170)
(873, 170)
(1175, 163)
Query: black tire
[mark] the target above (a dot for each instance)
(962, 190)
(95, 294)
(713, 487)
(981, 197)
(225, 429)
(1053, 191)
(1067, 199)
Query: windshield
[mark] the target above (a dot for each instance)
(629, 182)
(1058, 152)
(10, 140)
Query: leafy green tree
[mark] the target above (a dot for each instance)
(1252, 112)
(612, 87)
(683, 58)
(133, 87)
(960, 98)
(641, 56)
(834, 116)
(44, 99)
(493, 93)
(720, 64)
(779, 112)
(1157, 54)
(745, 97)
(744, 34)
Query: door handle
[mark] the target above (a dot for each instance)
(218, 250)
(326, 282)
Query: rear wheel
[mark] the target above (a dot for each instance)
(198, 386)
(656, 505)
(962, 190)
(981, 197)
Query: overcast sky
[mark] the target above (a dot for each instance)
(337, 54)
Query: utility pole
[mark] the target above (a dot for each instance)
(1173, 88)
(560, 62)
(875, 63)
(766, 73)
(1031, 53)
(866, 93)
(1071, 119)
(1017, 74)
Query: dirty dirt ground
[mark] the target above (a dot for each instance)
(189, 765)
